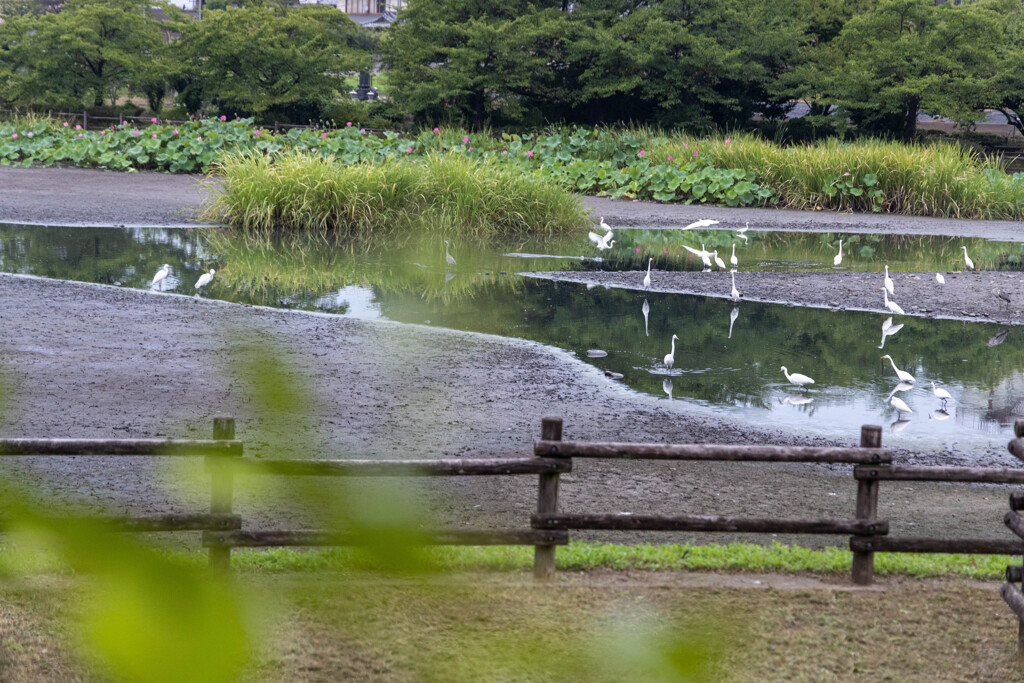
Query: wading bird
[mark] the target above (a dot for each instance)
(902, 374)
(888, 283)
(735, 293)
(891, 305)
(670, 357)
(647, 278)
(938, 278)
(796, 378)
(742, 232)
(604, 226)
(158, 279)
(718, 260)
(1002, 296)
(601, 242)
(204, 279)
(702, 223)
(838, 257)
(732, 259)
(447, 256)
(967, 260)
(705, 256)
(941, 394)
(901, 407)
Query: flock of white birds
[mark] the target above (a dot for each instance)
(906, 380)
(161, 277)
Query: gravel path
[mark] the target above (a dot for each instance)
(91, 360)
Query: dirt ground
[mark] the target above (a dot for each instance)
(89, 360)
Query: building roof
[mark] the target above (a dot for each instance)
(375, 20)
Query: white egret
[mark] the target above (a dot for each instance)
(900, 406)
(718, 260)
(742, 232)
(702, 223)
(735, 313)
(886, 324)
(941, 394)
(888, 283)
(838, 257)
(605, 226)
(204, 279)
(938, 278)
(888, 329)
(646, 310)
(796, 378)
(732, 259)
(601, 242)
(891, 305)
(647, 278)
(670, 357)
(735, 293)
(447, 256)
(699, 253)
(902, 374)
(967, 260)
(705, 256)
(666, 386)
(164, 271)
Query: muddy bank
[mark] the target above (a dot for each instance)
(91, 360)
(971, 296)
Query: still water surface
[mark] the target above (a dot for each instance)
(728, 357)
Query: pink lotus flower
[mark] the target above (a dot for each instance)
(31, 134)
(670, 157)
(312, 149)
(65, 124)
(641, 152)
(465, 140)
(348, 123)
(530, 153)
(694, 152)
(223, 118)
(77, 127)
(666, 250)
(175, 131)
(684, 145)
(638, 250)
(135, 133)
(727, 141)
(199, 139)
(323, 135)
(79, 135)
(408, 150)
(504, 151)
(470, 149)
(153, 120)
(103, 132)
(845, 175)
(255, 132)
(437, 130)
(362, 130)
(154, 136)
(14, 136)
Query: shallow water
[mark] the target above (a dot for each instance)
(728, 357)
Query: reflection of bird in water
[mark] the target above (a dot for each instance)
(942, 394)
(888, 329)
(902, 374)
(732, 259)
(164, 271)
(938, 278)
(888, 282)
(838, 257)
(998, 338)
(735, 293)
(647, 278)
(967, 260)
(670, 357)
(735, 313)
(204, 280)
(666, 386)
(447, 256)
(601, 242)
(901, 407)
(901, 386)
(939, 415)
(447, 277)
(891, 305)
(898, 426)
(796, 378)
(646, 309)
(795, 400)
(742, 232)
(702, 223)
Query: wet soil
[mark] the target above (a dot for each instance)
(98, 361)
(973, 296)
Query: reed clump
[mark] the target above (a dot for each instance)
(444, 193)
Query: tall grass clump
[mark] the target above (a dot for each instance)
(445, 193)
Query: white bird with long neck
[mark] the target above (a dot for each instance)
(888, 282)
(735, 313)
(601, 242)
(742, 232)
(204, 280)
(164, 271)
(702, 223)
(900, 406)
(718, 260)
(903, 375)
(938, 278)
(967, 260)
(796, 378)
(670, 357)
(735, 293)
(604, 226)
(941, 394)
(705, 256)
(891, 305)
(732, 259)
(646, 310)
(647, 278)
(838, 258)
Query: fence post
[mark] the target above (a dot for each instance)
(221, 488)
(85, 120)
(547, 502)
(1018, 431)
(867, 508)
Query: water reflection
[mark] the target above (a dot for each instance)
(735, 373)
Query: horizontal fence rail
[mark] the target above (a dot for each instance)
(402, 468)
(258, 539)
(948, 546)
(629, 522)
(658, 451)
(170, 522)
(119, 447)
(966, 475)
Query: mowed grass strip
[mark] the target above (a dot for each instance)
(444, 193)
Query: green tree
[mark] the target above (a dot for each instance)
(91, 48)
(1004, 89)
(263, 61)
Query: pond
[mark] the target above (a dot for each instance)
(728, 356)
